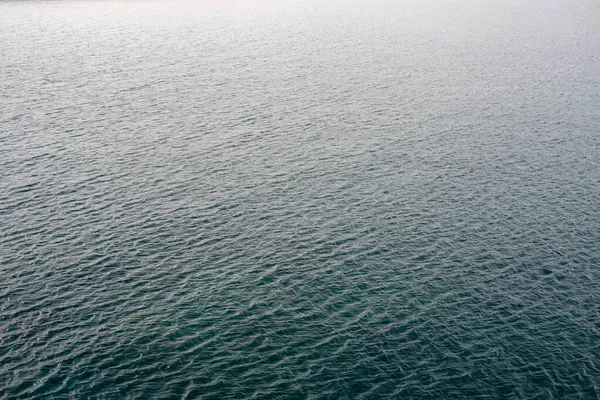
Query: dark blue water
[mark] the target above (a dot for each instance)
(318, 199)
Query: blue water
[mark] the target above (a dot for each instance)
(300, 199)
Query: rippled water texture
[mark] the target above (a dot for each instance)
(300, 199)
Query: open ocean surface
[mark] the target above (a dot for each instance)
(333, 199)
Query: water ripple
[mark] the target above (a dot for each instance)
(315, 201)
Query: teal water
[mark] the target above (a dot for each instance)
(318, 199)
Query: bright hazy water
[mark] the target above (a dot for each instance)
(267, 199)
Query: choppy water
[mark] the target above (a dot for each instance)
(331, 199)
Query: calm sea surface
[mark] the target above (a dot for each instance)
(300, 199)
